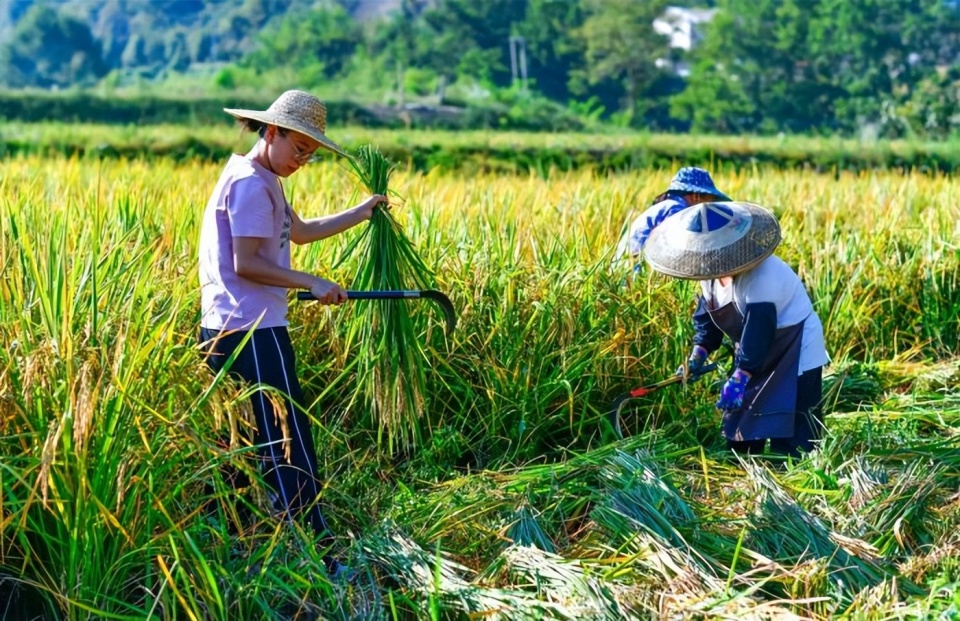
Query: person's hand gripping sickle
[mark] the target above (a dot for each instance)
(695, 362)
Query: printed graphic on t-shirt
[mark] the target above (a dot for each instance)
(285, 228)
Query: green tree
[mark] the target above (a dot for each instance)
(800, 65)
(755, 71)
(872, 50)
(470, 38)
(719, 93)
(554, 52)
(316, 42)
(398, 38)
(621, 44)
(933, 106)
(50, 48)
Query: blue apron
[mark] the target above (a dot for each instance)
(770, 399)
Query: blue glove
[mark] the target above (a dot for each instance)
(731, 395)
(695, 362)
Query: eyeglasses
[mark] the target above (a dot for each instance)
(299, 154)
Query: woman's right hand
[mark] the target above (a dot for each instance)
(695, 362)
(328, 292)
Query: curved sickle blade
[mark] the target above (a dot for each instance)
(449, 312)
(613, 416)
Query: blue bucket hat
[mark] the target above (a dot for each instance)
(695, 180)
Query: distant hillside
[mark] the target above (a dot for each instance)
(134, 33)
(753, 67)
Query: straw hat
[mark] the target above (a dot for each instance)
(295, 110)
(710, 240)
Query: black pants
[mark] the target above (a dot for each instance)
(808, 426)
(268, 359)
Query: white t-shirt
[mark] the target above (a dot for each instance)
(247, 202)
(775, 282)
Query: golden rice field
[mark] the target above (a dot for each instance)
(520, 503)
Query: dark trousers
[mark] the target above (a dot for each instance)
(289, 465)
(808, 426)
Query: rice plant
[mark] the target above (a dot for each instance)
(115, 439)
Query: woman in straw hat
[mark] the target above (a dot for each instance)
(759, 302)
(690, 186)
(245, 272)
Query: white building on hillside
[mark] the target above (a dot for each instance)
(685, 29)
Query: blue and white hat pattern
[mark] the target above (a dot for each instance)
(695, 180)
(710, 240)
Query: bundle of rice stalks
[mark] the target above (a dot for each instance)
(943, 558)
(866, 480)
(390, 359)
(852, 387)
(788, 534)
(926, 376)
(903, 514)
(558, 580)
(435, 586)
(644, 514)
(526, 531)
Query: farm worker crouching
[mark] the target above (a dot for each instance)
(759, 302)
(245, 272)
(690, 186)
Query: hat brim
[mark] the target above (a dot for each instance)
(699, 190)
(679, 248)
(287, 122)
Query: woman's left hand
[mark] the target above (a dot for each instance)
(366, 207)
(731, 395)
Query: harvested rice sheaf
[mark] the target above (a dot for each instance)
(390, 356)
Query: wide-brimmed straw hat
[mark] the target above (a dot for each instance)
(711, 240)
(693, 180)
(297, 111)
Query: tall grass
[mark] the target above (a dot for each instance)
(113, 502)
